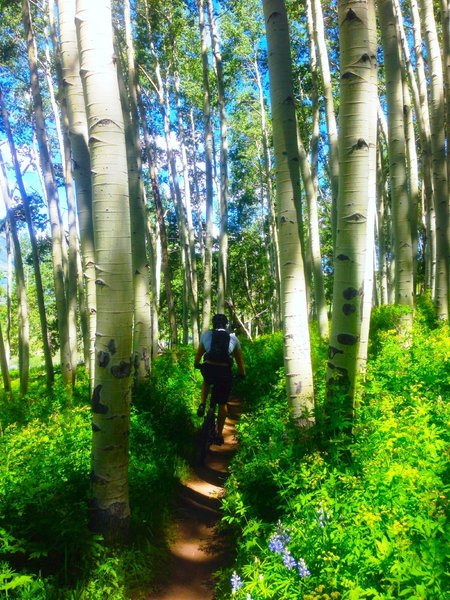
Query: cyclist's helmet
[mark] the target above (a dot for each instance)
(219, 321)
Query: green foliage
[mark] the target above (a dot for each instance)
(311, 526)
(46, 549)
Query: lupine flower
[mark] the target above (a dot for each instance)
(289, 560)
(236, 582)
(276, 544)
(323, 517)
(303, 570)
(278, 541)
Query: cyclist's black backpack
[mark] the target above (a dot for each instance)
(220, 342)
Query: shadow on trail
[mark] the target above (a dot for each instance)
(198, 549)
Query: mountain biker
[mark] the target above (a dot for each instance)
(218, 348)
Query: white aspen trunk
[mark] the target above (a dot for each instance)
(314, 242)
(23, 312)
(142, 316)
(297, 358)
(161, 225)
(382, 250)
(62, 125)
(9, 286)
(315, 115)
(427, 169)
(154, 248)
(439, 161)
(190, 233)
(4, 364)
(34, 250)
(357, 144)
(110, 509)
(275, 245)
(322, 55)
(413, 176)
(223, 161)
(52, 201)
(401, 207)
(78, 133)
(208, 141)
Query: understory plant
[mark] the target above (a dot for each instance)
(46, 549)
(313, 522)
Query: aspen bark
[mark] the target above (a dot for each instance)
(208, 141)
(439, 161)
(34, 246)
(223, 161)
(52, 201)
(78, 133)
(401, 207)
(358, 92)
(110, 509)
(297, 357)
(24, 321)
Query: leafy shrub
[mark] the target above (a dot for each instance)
(311, 526)
(44, 487)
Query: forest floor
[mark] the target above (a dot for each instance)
(199, 548)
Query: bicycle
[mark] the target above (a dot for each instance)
(208, 430)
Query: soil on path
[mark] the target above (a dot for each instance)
(198, 550)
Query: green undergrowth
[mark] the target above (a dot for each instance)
(317, 522)
(46, 549)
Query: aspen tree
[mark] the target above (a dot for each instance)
(51, 193)
(400, 201)
(322, 56)
(357, 139)
(297, 357)
(34, 246)
(142, 322)
(439, 161)
(24, 320)
(223, 198)
(78, 133)
(207, 265)
(110, 510)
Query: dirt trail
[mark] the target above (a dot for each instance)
(198, 550)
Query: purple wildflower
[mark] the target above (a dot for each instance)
(303, 570)
(288, 560)
(276, 544)
(236, 582)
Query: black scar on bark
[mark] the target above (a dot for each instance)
(97, 479)
(361, 143)
(348, 309)
(95, 427)
(350, 293)
(340, 370)
(342, 257)
(111, 345)
(121, 370)
(99, 282)
(346, 339)
(356, 217)
(332, 351)
(273, 15)
(103, 359)
(351, 16)
(97, 406)
(104, 122)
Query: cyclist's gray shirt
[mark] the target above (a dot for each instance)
(206, 338)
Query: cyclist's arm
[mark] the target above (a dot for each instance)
(239, 361)
(198, 355)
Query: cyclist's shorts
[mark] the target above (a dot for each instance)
(221, 378)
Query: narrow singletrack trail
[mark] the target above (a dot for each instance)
(198, 549)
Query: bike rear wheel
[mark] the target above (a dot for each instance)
(206, 435)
